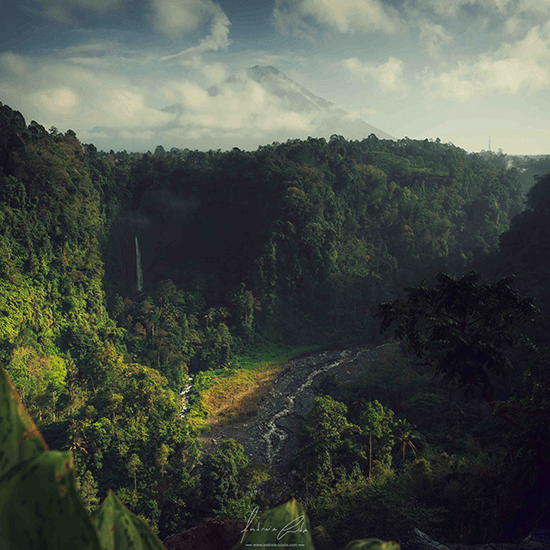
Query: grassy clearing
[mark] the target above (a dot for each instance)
(228, 395)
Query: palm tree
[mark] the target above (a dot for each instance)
(404, 434)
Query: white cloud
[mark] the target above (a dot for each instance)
(387, 74)
(514, 139)
(288, 19)
(176, 17)
(533, 47)
(521, 15)
(90, 61)
(198, 133)
(58, 103)
(534, 6)
(451, 8)
(215, 72)
(15, 63)
(526, 64)
(433, 37)
(354, 115)
(512, 24)
(124, 107)
(101, 54)
(60, 10)
(53, 91)
(136, 135)
(173, 18)
(343, 16)
(503, 5)
(45, 90)
(34, 73)
(242, 106)
(90, 46)
(87, 136)
(513, 10)
(192, 94)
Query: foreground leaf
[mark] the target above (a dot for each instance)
(283, 527)
(120, 529)
(39, 503)
(40, 507)
(20, 439)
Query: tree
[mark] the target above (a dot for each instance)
(327, 426)
(219, 475)
(134, 464)
(376, 422)
(459, 328)
(88, 491)
(404, 436)
(424, 408)
(257, 477)
(245, 304)
(161, 457)
(12, 192)
(330, 448)
(40, 379)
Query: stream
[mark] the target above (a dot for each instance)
(271, 436)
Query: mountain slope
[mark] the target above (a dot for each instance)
(295, 98)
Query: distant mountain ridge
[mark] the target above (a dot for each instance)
(276, 83)
(295, 97)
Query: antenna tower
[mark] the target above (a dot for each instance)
(489, 143)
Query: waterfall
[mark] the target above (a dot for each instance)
(139, 272)
(184, 398)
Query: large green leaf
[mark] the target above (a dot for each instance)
(119, 529)
(39, 504)
(373, 544)
(283, 527)
(20, 439)
(40, 507)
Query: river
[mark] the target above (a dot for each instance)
(271, 436)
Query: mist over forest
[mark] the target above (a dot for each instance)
(129, 278)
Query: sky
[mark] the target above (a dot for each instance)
(134, 74)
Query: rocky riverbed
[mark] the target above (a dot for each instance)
(271, 436)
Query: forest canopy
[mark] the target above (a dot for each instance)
(293, 243)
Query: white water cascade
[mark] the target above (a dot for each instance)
(184, 398)
(139, 272)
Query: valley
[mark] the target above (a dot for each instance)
(131, 283)
(271, 434)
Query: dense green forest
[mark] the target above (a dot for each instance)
(295, 243)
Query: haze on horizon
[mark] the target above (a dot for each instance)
(129, 74)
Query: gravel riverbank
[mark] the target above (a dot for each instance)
(271, 436)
